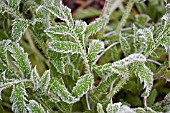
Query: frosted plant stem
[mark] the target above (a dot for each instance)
(153, 61)
(125, 16)
(87, 101)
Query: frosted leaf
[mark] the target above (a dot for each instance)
(35, 78)
(14, 4)
(44, 81)
(64, 47)
(113, 108)
(19, 26)
(94, 49)
(141, 20)
(130, 59)
(18, 98)
(58, 30)
(21, 59)
(125, 46)
(104, 85)
(83, 84)
(99, 108)
(138, 40)
(166, 42)
(120, 67)
(3, 55)
(146, 76)
(64, 107)
(80, 28)
(56, 60)
(63, 93)
(96, 26)
(62, 12)
(35, 107)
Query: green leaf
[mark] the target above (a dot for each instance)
(99, 108)
(141, 20)
(35, 78)
(125, 46)
(34, 107)
(63, 93)
(146, 76)
(3, 54)
(58, 30)
(94, 49)
(96, 26)
(44, 81)
(18, 98)
(120, 67)
(113, 108)
(21, 59)
(83, 84)
(62, 12)
(104, 85)
(64, 107)
(19, 26)
(64, 47)
(166, 42)
(57, 60)
(14, 4)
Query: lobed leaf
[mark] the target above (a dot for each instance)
(146, 76)
(35, 107)
(64, 47)
(83, 84)
(58, 30)
(18, 98)
(63, 93)
(62, 12)
(95, 26)
(21, 59)
(125, 46)
(44, 81)
(19, 26)
(35, 78)
(57, 60)
(94, 49)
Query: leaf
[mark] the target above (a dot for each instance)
(58, 30)
(19, 26)
(83, 84)
(35, 78)
(44, 81)
(138, 40)
(64, 47)
(80, 27)
(99, 108)
(141, 20)
(3, 55)
(146, 76)
(56, 60)
(63, 93)
(94, 49)
(96, 26)
(35, 107)
(21, 59)
(14, 4)
(104, 85)
(113, 108)
(166, 42)
(18, 98)
(125, 46)
(62, 12)
(64, 107)
(120, 67)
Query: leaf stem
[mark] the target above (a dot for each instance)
(125, 16)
